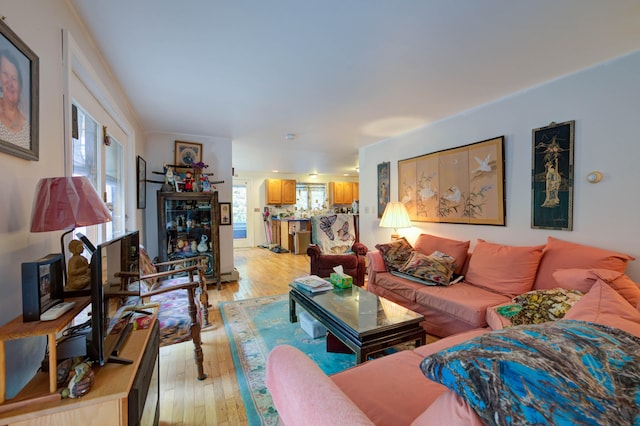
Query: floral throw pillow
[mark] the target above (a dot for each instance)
(540, 306)
(395, 253)
(436, 268)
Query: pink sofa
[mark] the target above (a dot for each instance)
(393, 390)
(493, 275)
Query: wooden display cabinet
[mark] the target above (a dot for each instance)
(189, 225)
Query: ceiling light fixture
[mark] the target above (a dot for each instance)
(313, 175)
(290, 136)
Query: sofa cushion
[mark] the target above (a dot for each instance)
(508, 270)
(584, 279)
(453, 408)
(436, 268)
(427, 244)
(526, 374)
(540, 306)
(605, 306)
(389, 390)
(461, 301)
(559, 254)
(396, 253)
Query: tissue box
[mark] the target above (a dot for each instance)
(311, 325)
(341, 281)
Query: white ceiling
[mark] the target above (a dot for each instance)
(340, 74)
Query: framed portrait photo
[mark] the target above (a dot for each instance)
(225, 214)
(142, 183)
(187, 153)
(19, 85)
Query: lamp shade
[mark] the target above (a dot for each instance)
(395, 216)
(64, 203)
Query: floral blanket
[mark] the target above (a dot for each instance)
(562, 373)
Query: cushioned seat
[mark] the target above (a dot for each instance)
(335, 242)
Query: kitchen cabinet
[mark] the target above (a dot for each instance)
(343, 192)
(280, 191)
(189, 225)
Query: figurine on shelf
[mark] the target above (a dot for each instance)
(169, 179)
(205, 184)
(79, 274)
(203, 247)
(194, 246)
(188, 182)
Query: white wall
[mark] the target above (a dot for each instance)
(39, 24)
(216, 152)
(603, 100)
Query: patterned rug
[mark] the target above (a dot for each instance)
(254, 327)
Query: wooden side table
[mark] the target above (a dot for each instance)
(17, 329)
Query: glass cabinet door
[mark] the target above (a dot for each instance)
(185, 224)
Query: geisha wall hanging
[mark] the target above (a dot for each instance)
(552, 177)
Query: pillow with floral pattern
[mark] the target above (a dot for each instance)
(396, 253)
(436, 268)
(540, 306)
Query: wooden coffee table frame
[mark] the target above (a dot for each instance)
(362, 344)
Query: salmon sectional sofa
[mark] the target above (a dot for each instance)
(492, 275)
(581, 367)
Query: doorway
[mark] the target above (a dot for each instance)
(242, 227)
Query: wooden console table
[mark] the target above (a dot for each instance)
(107, 401)
(17, 329)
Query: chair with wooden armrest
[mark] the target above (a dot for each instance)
(183, 275)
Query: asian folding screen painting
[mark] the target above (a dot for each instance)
(459, 185)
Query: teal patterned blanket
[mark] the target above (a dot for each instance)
(559, 373)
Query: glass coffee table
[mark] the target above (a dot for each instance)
(362, 321)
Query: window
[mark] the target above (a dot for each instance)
(310, 196)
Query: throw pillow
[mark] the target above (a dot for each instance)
(436, 268)
(427, 244)
(563, 372)
(605, 306)
(508, 270)
(395, 253)
(559, 254)
(584, 279)
(540, 306)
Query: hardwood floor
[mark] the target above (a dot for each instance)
(216, 400)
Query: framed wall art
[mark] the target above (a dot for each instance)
(187, 153)
(458, 185)
(142, 182)
(19, 81)
(383, 186)
(225, 214)
(552, 177)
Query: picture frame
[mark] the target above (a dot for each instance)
(225, 214)
(21, 95)
(384, 183)
(187, 153)
(552, 176)
(458, 185)
(141, 178)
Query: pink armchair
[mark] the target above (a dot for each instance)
(335, 242)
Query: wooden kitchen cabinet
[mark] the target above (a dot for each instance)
(343, 192)
(280, 191)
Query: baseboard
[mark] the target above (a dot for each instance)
(234, 275)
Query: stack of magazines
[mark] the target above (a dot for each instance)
(313, 283)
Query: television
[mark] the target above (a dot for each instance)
(108, 287)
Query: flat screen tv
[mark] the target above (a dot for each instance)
(107, 261)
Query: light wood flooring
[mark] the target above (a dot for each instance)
(216, 400)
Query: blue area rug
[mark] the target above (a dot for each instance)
(254, 327)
